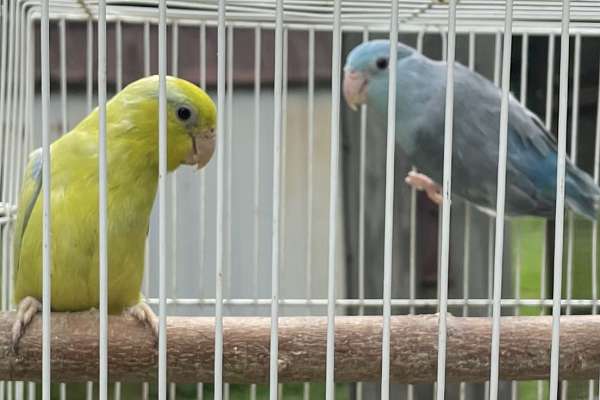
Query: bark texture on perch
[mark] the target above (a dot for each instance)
(524, 349)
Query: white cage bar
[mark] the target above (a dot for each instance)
(461, 24)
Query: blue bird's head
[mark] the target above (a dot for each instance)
(367, 62)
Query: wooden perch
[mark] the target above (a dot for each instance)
(524, 353)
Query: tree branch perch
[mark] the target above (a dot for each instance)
(524, 349)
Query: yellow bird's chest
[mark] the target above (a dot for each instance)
(75, 245)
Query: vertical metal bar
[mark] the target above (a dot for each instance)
(226, 388)
(333, 194)
(467, 227)
(200, 391)
(31, 391)
(62, 391)
(310, 159)
(46, 213)
(275, 233)
(490, 267)
(283, 175)
(162, 199)
(570, 214)
(550, 82)
(548, 125)
(103, 203)
(5, 299)
(229, 158)
(146, 286)
(173, 177)
(146, 48)
(389, 204)
(595, 224)
(202, 225)
(89, 66)
(10, 106)
(501, 201)
(560, 198)
(20, 390)
(63, 76)
(412, 258)
(467, 242)
(490, 263)
(524, 68)
(218, 370)
(497, 57)
(22, 120)
(17, 125)
(172, 391)
(31, 80)
(3, 84)
(309, 177)
(175, 48)
(573, 156)
(146, 283)
(89, 391)
(119, 55)
(256, 200)
(203, 55)
(446, 191)
(518, 260)
(18, 128)
(444, 45)
(7, 173)
(361, 210)
(145, 391)
(361, 193)
(117, 391)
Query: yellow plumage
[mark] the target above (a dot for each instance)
(132, 147)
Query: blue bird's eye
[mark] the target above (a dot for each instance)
(381, 63)
(184, 113)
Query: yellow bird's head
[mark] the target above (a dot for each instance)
(132, 115)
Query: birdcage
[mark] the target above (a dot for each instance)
(297, 263)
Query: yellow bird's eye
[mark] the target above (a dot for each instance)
(184, 113)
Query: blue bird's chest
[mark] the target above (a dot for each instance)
(419, 121)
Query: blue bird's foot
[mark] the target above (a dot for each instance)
(423, 182)
(26, 310)
(143, 313)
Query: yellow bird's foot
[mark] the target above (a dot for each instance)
(26, 309)
(423, 182)
(143, 313)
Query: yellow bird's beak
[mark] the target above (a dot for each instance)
(203, 147)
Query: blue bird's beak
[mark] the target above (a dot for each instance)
(354, 88)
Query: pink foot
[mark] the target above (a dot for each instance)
(423, 182)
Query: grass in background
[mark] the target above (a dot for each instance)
(527, 238)
(189, 392)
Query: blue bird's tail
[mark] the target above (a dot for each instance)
(582, 195)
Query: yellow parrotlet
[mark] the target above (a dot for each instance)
(132, 158)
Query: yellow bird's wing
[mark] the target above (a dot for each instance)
(32, 184)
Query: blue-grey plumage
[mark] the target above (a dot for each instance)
(420, 102)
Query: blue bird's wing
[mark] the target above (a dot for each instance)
(531, 160)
